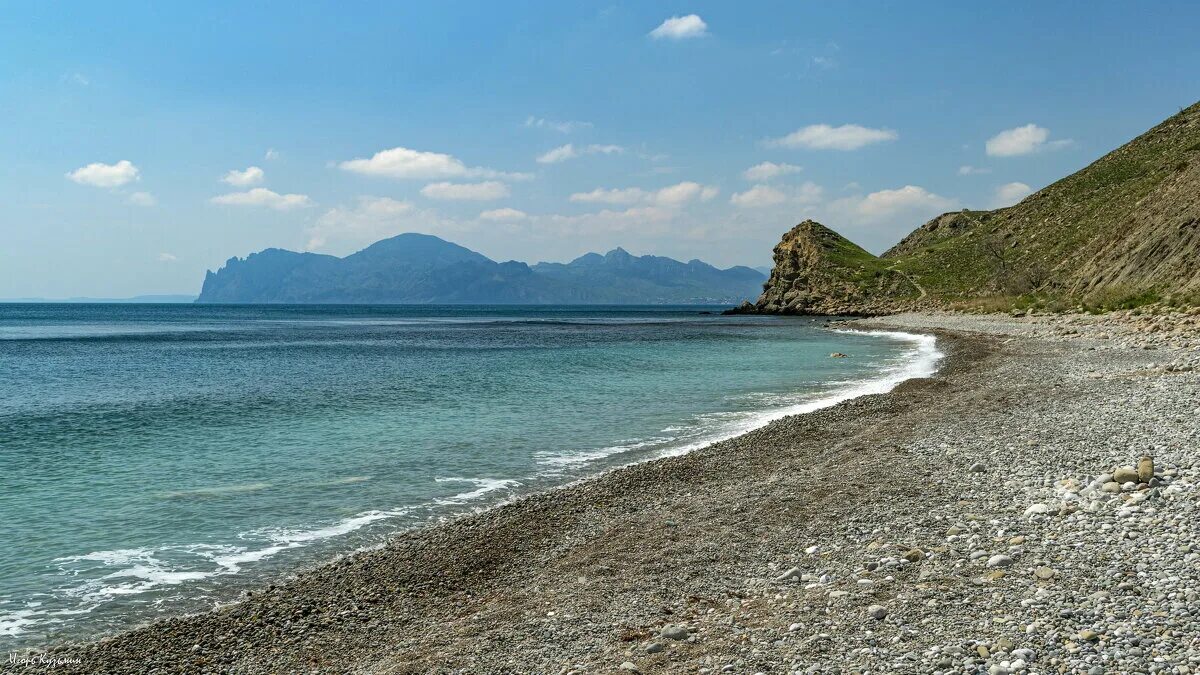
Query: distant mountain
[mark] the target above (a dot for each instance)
(137, 299)
(618, 277)
(423, 269)
(1121, 232)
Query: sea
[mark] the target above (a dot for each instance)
(157, 460)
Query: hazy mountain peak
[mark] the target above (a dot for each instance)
(420, 268)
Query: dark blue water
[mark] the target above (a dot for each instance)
(156, 459)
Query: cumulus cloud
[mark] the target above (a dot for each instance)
(1009, 194)
(680, 28)
(910, 201)
(503, 214)
(611, 196)
(561, 127)
(370, 219)
(484, 191)
(250, 176)
(672, 195)
(560, 154)
(759, 196)
(1023, 141)
(98, 174)
(418, 164)
(569, 151)
(640, 219)
(264, 197)
(826, 137)
(270, 154)
(768, 170)
(142, 199)
(968, 170)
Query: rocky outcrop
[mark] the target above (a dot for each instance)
(1123, 231)
(818, 271)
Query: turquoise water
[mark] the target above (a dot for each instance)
(158, 459)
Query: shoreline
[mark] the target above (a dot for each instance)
(840, 397)
(923, 359)
(587, 574)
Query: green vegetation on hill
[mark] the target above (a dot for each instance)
(1122, 232)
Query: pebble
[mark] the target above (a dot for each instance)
(674, 631)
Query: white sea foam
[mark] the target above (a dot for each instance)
(482, 487)
(920, 361)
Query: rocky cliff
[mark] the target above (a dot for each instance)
(1124, 229)
(818, 271)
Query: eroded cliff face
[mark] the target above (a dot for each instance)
(818, 271)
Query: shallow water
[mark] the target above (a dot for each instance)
(156, 459)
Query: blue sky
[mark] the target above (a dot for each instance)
(144, 143)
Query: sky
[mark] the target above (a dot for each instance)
(144, 143)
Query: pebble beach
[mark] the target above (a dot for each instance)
(1034, 507)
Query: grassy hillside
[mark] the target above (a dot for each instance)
(1124, 225)
(1121, 232)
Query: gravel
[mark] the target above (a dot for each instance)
(857, 539)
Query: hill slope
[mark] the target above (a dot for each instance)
(423, 269)
(1126, 226)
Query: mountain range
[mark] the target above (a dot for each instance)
(1122, 232)
(423, 269)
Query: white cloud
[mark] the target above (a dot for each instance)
(641, 220)
(611, 196)
(466, 191)
(417, 164)
(98, 174)
(142, 199)
(264, 197)
(759, 196)
(564, 152)
(503, 214)
(250, 176)
(372, 218)
(680, 27)
(826, 137)
(167, 257)
(672, 195)
(270, 154)
(560, 154)
(768, 170)
(910, 201)
(560, 127)
(968, 170)
(604, 149)
(682, 193)
(1009, 194)
(1023, 141)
